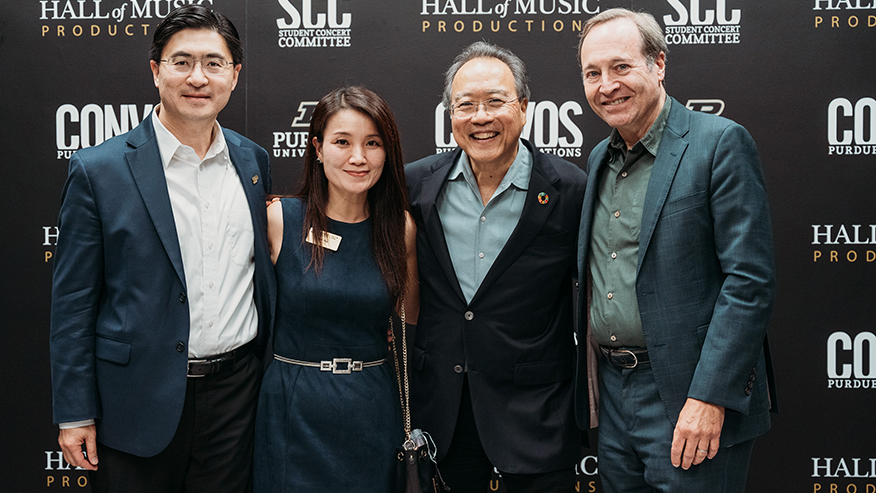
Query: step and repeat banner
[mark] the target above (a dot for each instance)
(799, 75)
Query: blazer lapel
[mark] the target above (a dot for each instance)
(250, 177)
(431, 187)
(144, 162)
(672, 148)
(532, 218)
(590, 195)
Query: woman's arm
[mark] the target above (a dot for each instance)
(275, 229)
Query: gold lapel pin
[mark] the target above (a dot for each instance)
(255, 179)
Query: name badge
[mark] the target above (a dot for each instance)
(329, 240)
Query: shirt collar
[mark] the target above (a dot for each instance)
(651, 140)
(169, 145)
(517, 175)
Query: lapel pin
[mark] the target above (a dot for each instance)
(543, 198)
(255, 179)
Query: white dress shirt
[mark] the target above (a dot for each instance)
(214, 226)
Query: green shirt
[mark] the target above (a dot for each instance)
(614, 241)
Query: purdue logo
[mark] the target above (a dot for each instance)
(712, 106)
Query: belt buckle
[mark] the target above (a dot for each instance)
(332, 366)
(189, 368)
(635, 359)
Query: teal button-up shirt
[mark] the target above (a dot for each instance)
(475, 233)
(614, 242)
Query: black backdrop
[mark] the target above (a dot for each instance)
(798, 74)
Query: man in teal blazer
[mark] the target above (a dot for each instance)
(163, 284)
(676, 250)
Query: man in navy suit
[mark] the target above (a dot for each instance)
(163, 286)
(493, 356)
(676, 247)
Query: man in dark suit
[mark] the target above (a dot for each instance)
(163, 286)
(493, 356)
(677, 249)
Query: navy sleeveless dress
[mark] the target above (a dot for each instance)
(318, 431)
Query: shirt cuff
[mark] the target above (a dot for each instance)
(76, 424)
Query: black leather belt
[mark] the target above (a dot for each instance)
(627, 358)
(201, 367)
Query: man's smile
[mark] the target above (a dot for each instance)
(484, 135)
(615, 102)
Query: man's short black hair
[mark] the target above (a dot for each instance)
(196, 17)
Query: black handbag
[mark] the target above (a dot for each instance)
(416, 469)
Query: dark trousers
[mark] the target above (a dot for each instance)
(635, 440)
(211, 450)
(466, 468)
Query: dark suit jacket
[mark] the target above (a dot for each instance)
(120, 317)
(516, 335)
(705, 278)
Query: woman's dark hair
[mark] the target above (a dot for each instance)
(196, 17)
(387, 199)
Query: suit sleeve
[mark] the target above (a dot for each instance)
(76, 290)
(744, 249)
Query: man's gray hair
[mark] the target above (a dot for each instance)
(653, 41)
(482, 49)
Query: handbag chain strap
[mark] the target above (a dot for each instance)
(404, 391)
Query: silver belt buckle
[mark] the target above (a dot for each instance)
(332, 366)
(635, 359)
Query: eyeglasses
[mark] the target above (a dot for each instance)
(468, 109)
(183, 65)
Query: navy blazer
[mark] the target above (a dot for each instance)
(705, 278)
(516, 335)
(120, 317)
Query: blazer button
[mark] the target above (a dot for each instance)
(747, 391)
(180, 347)
(182, 297)
(457, 369)
(469, 315)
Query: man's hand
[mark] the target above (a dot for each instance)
(71, 441)
(697, 434)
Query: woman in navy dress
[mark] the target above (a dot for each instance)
(328, 417)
